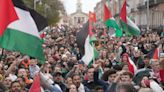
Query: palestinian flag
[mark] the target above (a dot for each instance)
(85, 41)
(111, 22)
(140, 74)
(42, 36)
(155, 86)
(161, 73)
(131, 65)
(128, 26)
(154, 53)
(36, 87)
(19, 28)
(101, 72)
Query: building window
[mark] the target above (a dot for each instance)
(82, 19)
(75, 19)
(79, 20)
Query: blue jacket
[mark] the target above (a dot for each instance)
(54, 88)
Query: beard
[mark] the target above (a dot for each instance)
(16, 90)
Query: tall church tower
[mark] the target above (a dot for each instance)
(79, 6)
(78, 18)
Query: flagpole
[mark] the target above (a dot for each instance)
(147, 15)
(2, 54)
(35, 1)
(102, 12)
(93, 52)
(104, 3)
(93, 45)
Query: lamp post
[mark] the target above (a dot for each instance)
(148, 25)
(45, 9)
(35, 1)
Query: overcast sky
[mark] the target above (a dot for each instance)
(87, 5)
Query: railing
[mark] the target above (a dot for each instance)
(156, 19)
(132, 10)
(141, 5)
(159, 1)
(154, 2)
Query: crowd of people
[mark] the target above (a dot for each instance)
(64, 71)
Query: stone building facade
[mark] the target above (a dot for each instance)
(78, 18)
(137, 11)
(155, 20)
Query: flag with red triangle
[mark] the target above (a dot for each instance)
(36, 84)
(161, 72)
(86, 39)
(7, 14)
(111, 22)
(154, 53)
(131, 65)
(128, 25)
(19, 26)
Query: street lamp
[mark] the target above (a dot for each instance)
(148, 15)
(35, 1)
(45, 9)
